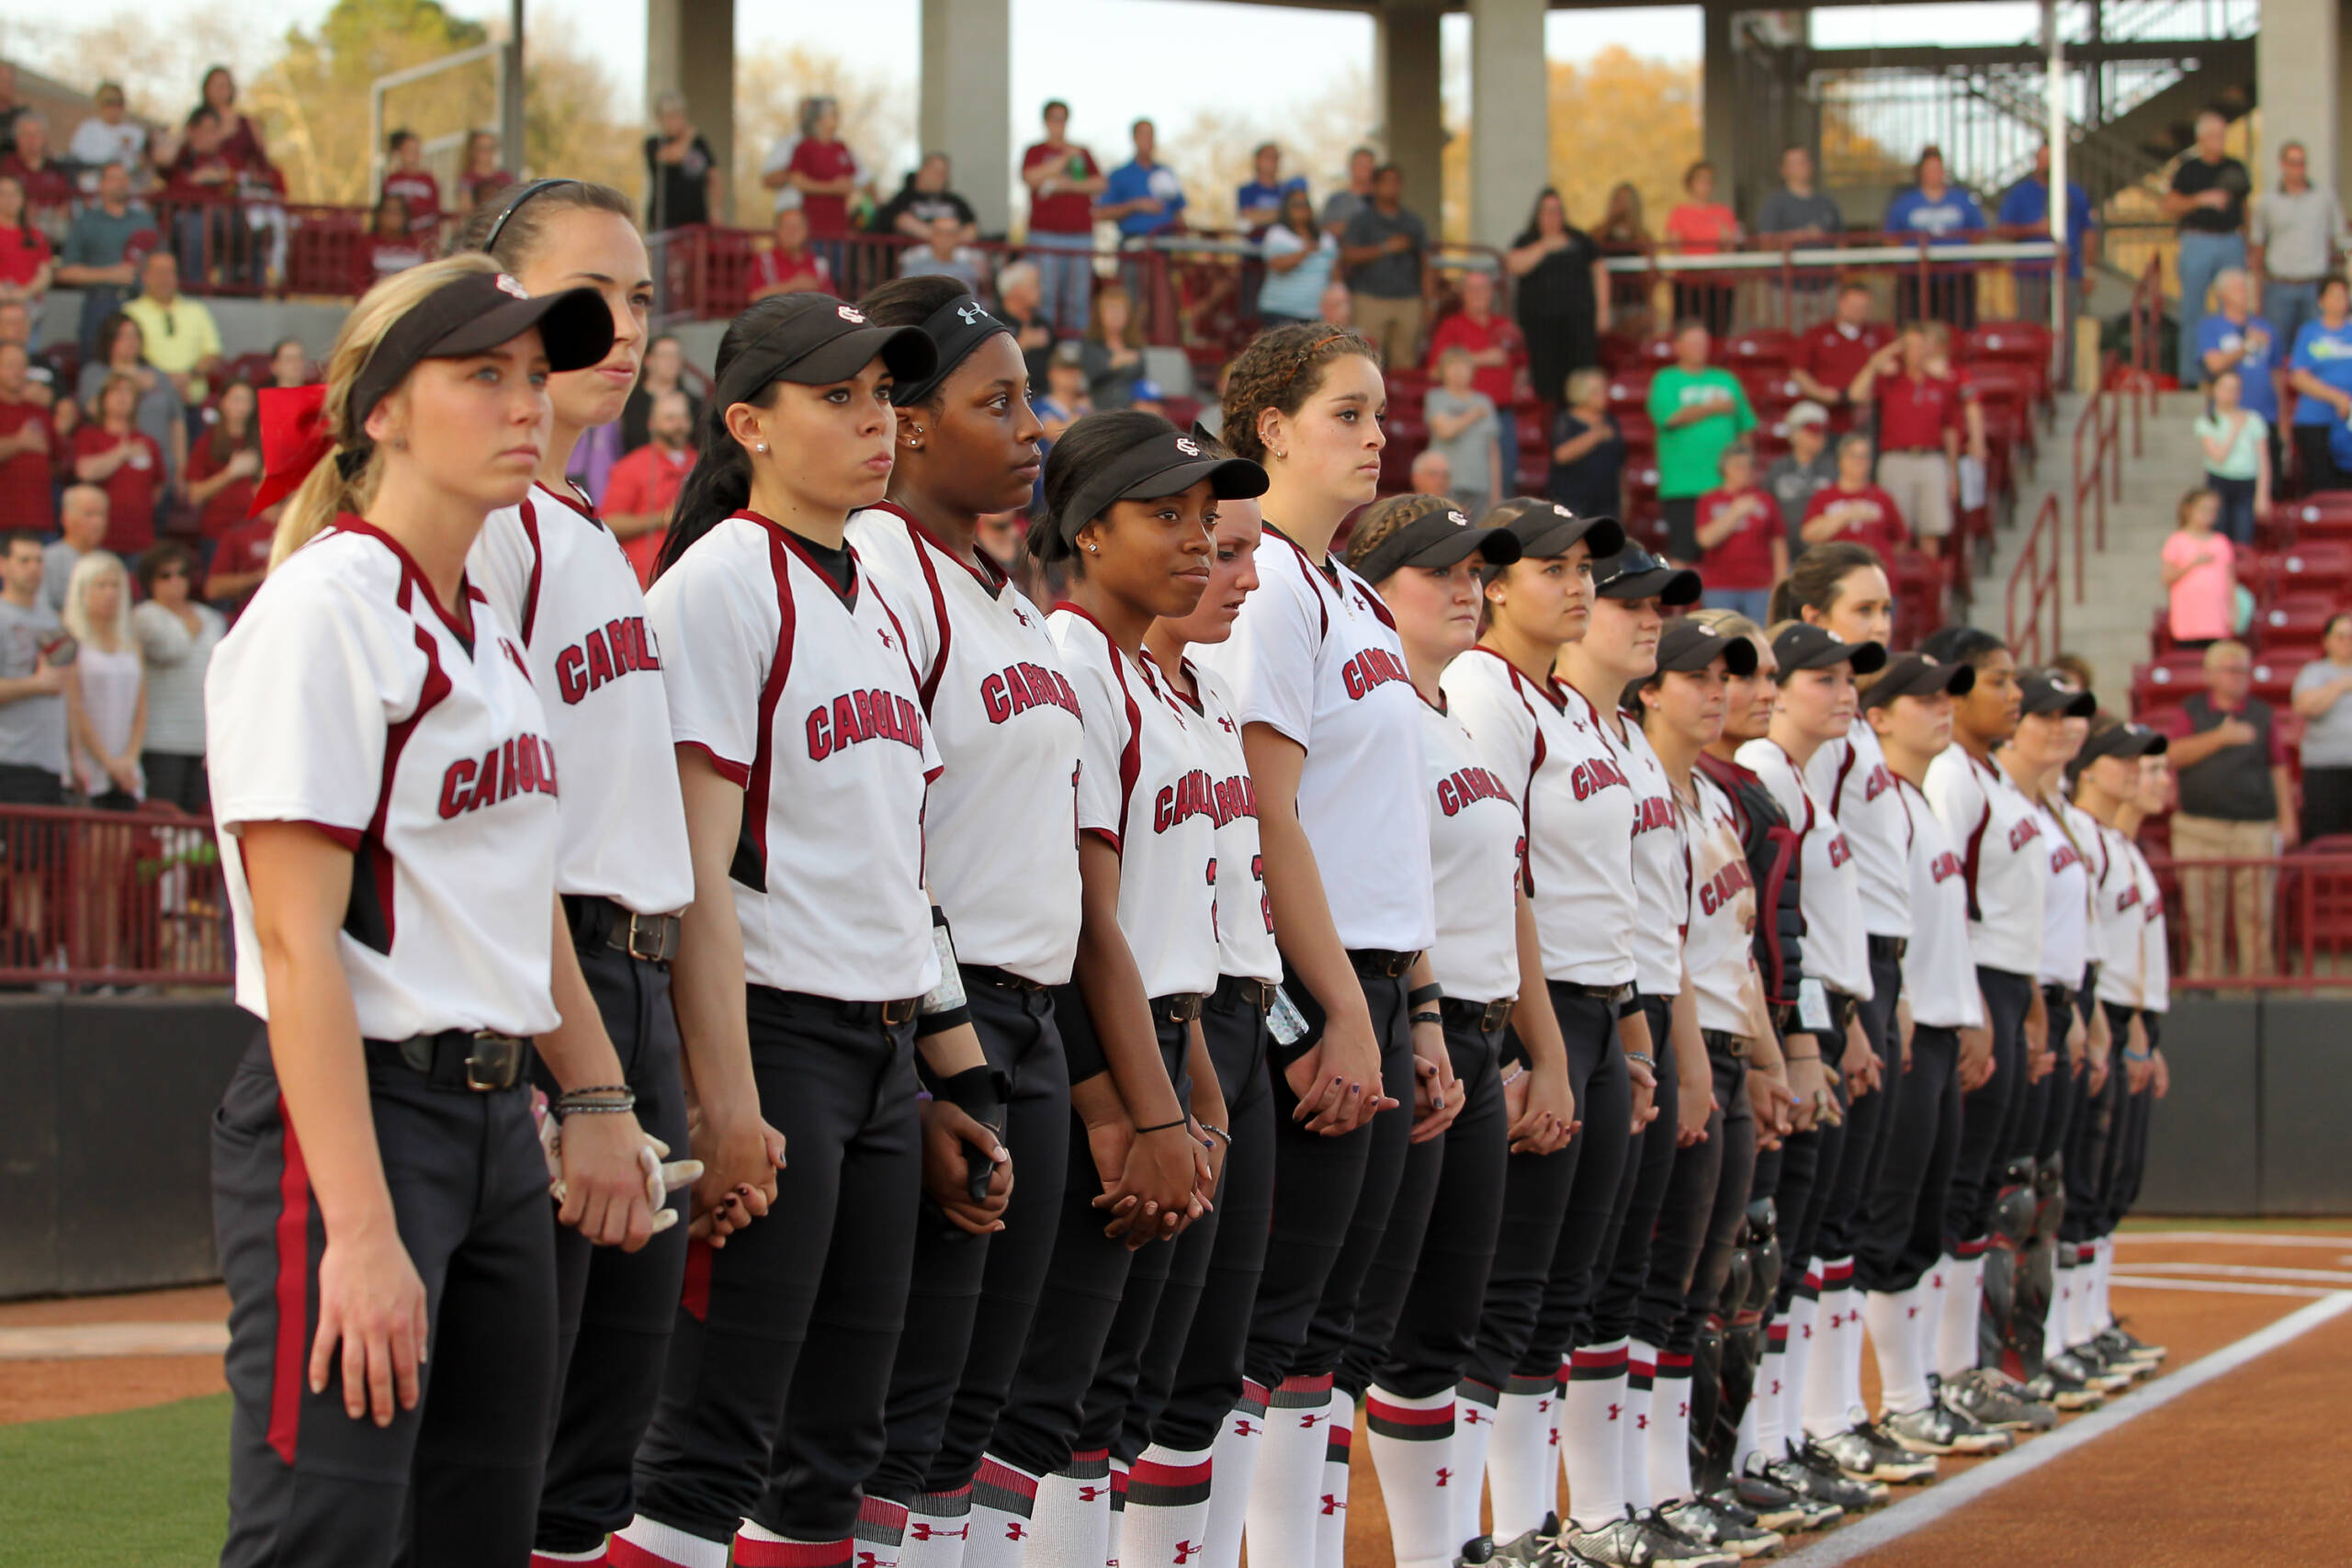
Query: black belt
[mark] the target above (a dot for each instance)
(1892, 948)
(460, 1058)
(1722, 1043)
(1483, 1017)
(1243, 991)
(2058, 998)
(1785, 1021)
(989, 975)
(1180, 1007)
(600, 922)
(1616, 996)
(1380, 961)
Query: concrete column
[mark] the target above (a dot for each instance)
(1719, 126)
(1410, 93)
(967, 100)
(690, 49)
(1510, 116)
(2298, 64)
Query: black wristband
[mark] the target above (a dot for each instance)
(932, 1023)
(1432, 992)
(1427, 1016)
(1162, 1127)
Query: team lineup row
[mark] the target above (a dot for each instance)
(1113, 1045)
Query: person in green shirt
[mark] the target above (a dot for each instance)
(1699, 411)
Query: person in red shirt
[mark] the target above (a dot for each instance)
(224, 463)
(201, 180)
(27, 264)
(1920, 425)
(1063, 181)
(823, 170)
(391, 245)
(1496, 346)
(112, 453)
(644, 486)
(48, 189)
(240, 561)
(1743, 548)
(790, 265)
(408, 178)
(1853, 508)
(485, 177)
(1829, 356)
(25, 442)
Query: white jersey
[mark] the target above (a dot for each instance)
(346, 698)
(1315, 655)
(558, 576)
(1146, 789)
(1836, 945)
(1478, 845)
(1245, 915)
(2156, 959)
(1547, 745)
(1720, 916)
(1661, 870)
(1938, 969)
(1003, 865)
(1998, 835)
(1851, 776)
(804, 697)
(2118, 923)
(2066, 897)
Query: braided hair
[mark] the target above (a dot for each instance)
(1280, 370)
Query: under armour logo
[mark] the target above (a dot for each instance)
(1088, 1493)
(1612, 1412)
(1642, 1423)
(1331, 1505)
(1245, 1428)
(1443, 1475)
(868, 1560)
(1015, 1530)
(1187, 1549)
(885, 636)
(1306, 1422)
(1472, 1416)
(1911, 1311)
(1682, 1411)
(1021, 615)
(972, 315)
(919, 1532)
(1226, 725)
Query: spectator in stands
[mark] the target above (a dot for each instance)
(1699, 410)
(1019, 286)
(791, 265)
(1299, 255)
(48, 184)
(643, 487)
(484, 175)
(177, 633)
(1587, 450)
(240, 139)
(1259, 204)
(1143, 195)
(27, 442)
(82, 529)
(1432, 474)
(1212, 416)
(826, 173)
(1933, 206)
(100, 254)
(240, 561)
(1744, 549)
(113, 453)
(2235, 337)
(2207, 201)
(944, 255)
(109, 136)
(1498, 358)
(1066, 399)
(1801, 472)
(2320, 691)
(1340, 208)
(1832, 352)
(209, 227)
(1851, 508)
(924, 200)
(2291, 243)
(406, 177)
(1337, 307)
(2236, 444)
(663, 369)
(685, 183)
(1699, 225)
(289, 364)
(1797, 213)
(45, 375)
(32, 688)
(225, 465)
(182, 340)
(2025, 205)
(1112, 351)
(392, 245)
(1063, 181)
(2200, 574)
(1465, 428)
(12, 108)
(2236, 802)
(2321, 372)
(163, 413)
(1920, 425)
(1385, 254)
(105, 686)
(27, 265)
(1563, 288)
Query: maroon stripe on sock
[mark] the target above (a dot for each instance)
(1976, 1249)
(1523, 1384)
(881, 1522)
(1003, 1489)
(1253, 1398)
(791, 1554)
(1409, 1424)
(289, 1365)
(1152, 1485)
(1585, 1365)
(1338, 1441)
(1836, 1276)
(1298, 1394)
(1671, 1365)
(1776, 1337)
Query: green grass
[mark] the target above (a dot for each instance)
(146, 1486)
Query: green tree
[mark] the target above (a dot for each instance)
(311, 100)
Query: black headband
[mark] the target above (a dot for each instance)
(956, 328)
(498, 224)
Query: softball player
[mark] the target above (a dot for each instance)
(386, 792)
(1898, 1238)
(1008, 724)
(1419, 1326)
(801, 993)
(1332, 733)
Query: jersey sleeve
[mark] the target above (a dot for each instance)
(1770, 763)
(1501, 724)
(719, 636)
(506, 565)
(1107, 752)
(1269, 658)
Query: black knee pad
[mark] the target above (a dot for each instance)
(1764, 1255)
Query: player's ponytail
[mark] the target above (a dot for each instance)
(720, 484)
(343, 472)
(1817, 577)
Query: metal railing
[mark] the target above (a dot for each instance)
(2036, 576)
(2301, 905)
(111, 898)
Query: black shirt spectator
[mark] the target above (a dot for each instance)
(1593, 485)
(2195, 176)
(1561, 286)
(924, 199)
(684, 170)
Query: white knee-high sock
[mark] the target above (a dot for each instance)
(1474, 1431)
(1522, 1467)
(1168, 1508)
(1004, 1502)
(1641, 1379)
(1332, 1515)
(1670, 1433)
(643, 1543)
(1963, 1298)
(1233, 1461)
(1751, 1441)
(1412, 1450)
(1285, 1494)
(1894, 1323)
(2084, 1326)
(879, 1539)
(1768, 1400)
(938, 1524)
(1073, 1518)
(756, 1546)
(1833, 1393)
(1112, 1527)
(1805, 1315)
(1593, 1434)
(2104, 1310)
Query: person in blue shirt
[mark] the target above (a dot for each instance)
(1947, 215)
(2235, 338)
(1143, 195)
(2321, 373)
(2025, 205)
(1259, 204)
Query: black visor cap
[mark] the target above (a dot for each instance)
(2046, 691)
(1917, 675)
(473, 314)
(1804, 645)
(1634, 573)
(1687, 648)
(2129, 741)
(1165, 462)
(1546, 530)
(816, 341)
(1444, 538)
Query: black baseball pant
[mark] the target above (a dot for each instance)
(1649, 1171)
(1192, 1366)
(1698, 1223)
(1902, 1231)
(615, 1309)
(2127, 1158)
(2092, 1140)
(1870, 1119)
(456, 1480)
(771, 1408)
(1989, 1112)
(1605, 1103)
(974, 1297)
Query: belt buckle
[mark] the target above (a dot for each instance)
(1182, 1008)
(494, 1063)
(655, 930)
(1261, 993)
(1498, 1012)
(895, 1013)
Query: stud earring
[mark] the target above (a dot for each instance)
(1093, 549)
(761, 448)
